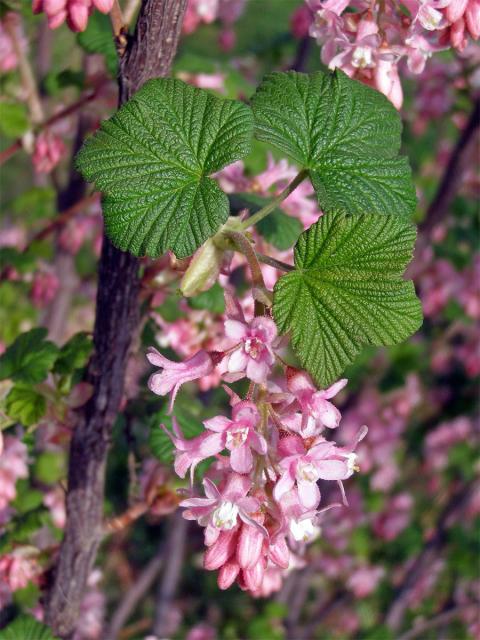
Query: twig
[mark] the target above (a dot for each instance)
(174, 553)
(149, 54)
(243, 245)
(452, 175)
(26, 72)
(130, 10)
(425, 558)
(17, 145)
(119, 28)
(443, 618)
(272, 262)
(271, 206)
(134, 595)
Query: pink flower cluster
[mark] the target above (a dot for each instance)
(262, 498)
(47, 152)
(75, 12)
(8, 55)
(13, 466)
(367, 40)
(207, 11)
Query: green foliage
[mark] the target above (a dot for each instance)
(34, 204)
(25, 405)
(49, 467)
(97, 38)
(13, 119)
(26, 628)
(74, 354)
(29, 358)
(22, 262)
(212, 300)
(278, 228)
(152, 160)
(347, 291)
(346, 134)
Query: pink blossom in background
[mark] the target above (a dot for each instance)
(74, 12)
(8, 56)
(351, 40)
(48, 151)
(44, 288)
(13, 466)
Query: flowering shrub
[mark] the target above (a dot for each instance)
(258, 391)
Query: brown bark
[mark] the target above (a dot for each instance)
(149, 54)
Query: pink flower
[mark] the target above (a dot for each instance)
(13, 465)
(364, 580)
(48, 152)
(189, 452)
(303, 468)
(239, 435)
(220, 511)
(18, 568)
(317, 411)
(175, 374)
(253, 356)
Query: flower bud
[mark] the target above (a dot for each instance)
(228, 574)
(221, 550)
(203, 271)
(249, 546)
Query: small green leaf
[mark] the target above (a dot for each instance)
(346, 134)
(49, 467)
(13, 119)
(25, 405)
(26, 628)
(278, 228)
(97, 38)
(74, 354)
(152, 160)
(29, 358)
(12, 257)
(212, 300)
(347, 291)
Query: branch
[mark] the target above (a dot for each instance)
(452, 176)
(420, 629)
(174, 552)
(134, 595)
(423, 561)
(149, 54)
(17, 145)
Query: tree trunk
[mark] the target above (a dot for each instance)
(149, 54)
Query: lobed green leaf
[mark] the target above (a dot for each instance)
(29, 358)
(347, 291)
(152, 160)
(346, 134)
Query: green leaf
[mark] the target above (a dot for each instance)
(160, 444)
(97, 38)
(346, 134)
(152, 160)
(278, 228)
(34, 204)
(29, 358)
(74, 354)
(12, 257)
(212, 300)
(13, 119)
(25, 405)
(26, 628)
(347, 291)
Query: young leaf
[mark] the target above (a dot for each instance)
(25, 405)
(29, 358)
(74, 354)
(212, 300)
(97, 38)
(347, 291)
(346, 134)
(278, 228)
(152, 160)
(26, 628)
